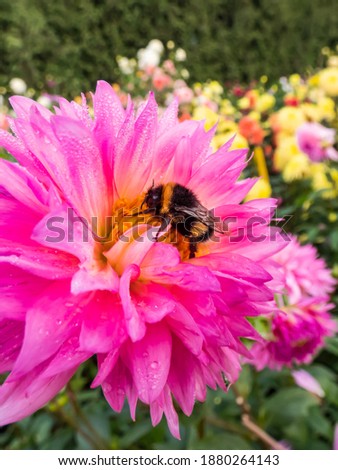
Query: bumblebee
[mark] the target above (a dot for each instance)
(177, 205)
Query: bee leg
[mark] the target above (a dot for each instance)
(192, 249)
(164, 224)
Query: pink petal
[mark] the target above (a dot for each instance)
(11, 336)
(69, 356)
(104, 279)
(180, 167)
(22, 107)
(109, 116)
(40, 261)
(12, 211)
(19, 151)
(135, 324)
(153, 302)
(81, 176)
(114, 387)
(18, 291)
(149, 361)
(22, 186)
(23, 397)
(103, 324)
(181, 383)
(136, 158)
(64, 230)
(185, 275)
(186, 329)
(305, 380)
(44, 334)
(169, 118)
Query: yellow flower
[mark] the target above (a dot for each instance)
(301, 92)
(286, 150)
(255, 115)
(314, 80)
(226, 125)
(333, 61)
(294, 79)
(264, 79)
(289, 118)
(326, 106)
(220, 139)
(262, 189)
(298, 167)
(243, 103)
(216, 87)
(311, 111)
(227, 108)
(203, 112)
(265, 102)
(320, 181)
(332, 217)
(328, 80)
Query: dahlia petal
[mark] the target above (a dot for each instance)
(234, 266)
(61, 228)
(40, 261)
(165, 148)
(156, 412)
(135, 324)
(135, 251)
(22, 107)
(185, 275)
(149, 361)
(186, 329)
(114, 387)
(95, 279)
(23, 397)
(216, 177)
(109, 116)
(152, 301)
(181, 383)
(237, 193)
(136, 159)
(81, 176)
(106, 363)
(169, 118)
(18, 291)
(12, 211)
(103, 324)
(201, 140)
(44, 334)
(69, 356)
(161, 254)
(170, 413)
(180, 167)
(18, 150)
(11, 335)
(22, 186)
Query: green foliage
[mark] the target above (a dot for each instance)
(73, 43)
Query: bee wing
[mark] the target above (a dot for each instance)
(199, 212)
(203, 215)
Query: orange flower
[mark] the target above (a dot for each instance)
(251, 130)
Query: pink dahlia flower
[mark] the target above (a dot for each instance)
(77, 280)
(306, 274)
(317, 141)
(297, 333)
(300, 320)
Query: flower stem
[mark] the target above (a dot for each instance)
(252, 426)
(100, 441)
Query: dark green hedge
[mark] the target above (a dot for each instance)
(76, 41)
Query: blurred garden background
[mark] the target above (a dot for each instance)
(263, 70)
